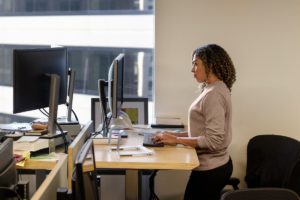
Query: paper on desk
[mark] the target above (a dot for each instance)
(25, 155)
(46, 157)
(16, 126)
(28, 139)
(136, 151)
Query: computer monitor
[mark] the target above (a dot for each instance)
(115, 117)
(40, 80)
(31, 81)
(84, 177)
(115, 85)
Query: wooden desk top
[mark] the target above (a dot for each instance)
(42, 164)
(167, 157)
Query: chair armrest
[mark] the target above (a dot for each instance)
(234, 182)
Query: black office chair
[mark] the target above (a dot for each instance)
(8, 182)
(273, 161)
(261, 194)
(85, 182)
(8, 172)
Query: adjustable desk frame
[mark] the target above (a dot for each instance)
(168, 157)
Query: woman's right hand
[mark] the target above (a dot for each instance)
(165, 137)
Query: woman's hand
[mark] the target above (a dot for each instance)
(166, 138)
(172, 138)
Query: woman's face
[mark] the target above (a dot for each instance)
(198, 69)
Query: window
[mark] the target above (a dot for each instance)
(94, 31)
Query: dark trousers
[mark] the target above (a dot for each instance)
(207, 185)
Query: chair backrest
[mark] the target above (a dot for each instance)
(271, 160)
(75, 147)
(294, 181)
(8, 172)
(84, 176)
(6, 150)
(260, 194)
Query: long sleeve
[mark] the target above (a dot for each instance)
(210, 121)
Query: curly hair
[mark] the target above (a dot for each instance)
(217, 61)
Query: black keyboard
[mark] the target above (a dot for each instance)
(147, 142)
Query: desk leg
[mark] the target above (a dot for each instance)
(132, 186)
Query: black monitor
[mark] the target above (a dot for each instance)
(31, 81)
(115, 85)
(84, 177)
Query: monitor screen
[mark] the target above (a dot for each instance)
(115, 85)
(31, 80)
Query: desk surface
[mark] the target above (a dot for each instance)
(41, 164)
(167, 157)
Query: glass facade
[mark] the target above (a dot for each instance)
(15, 7)
(91, 62)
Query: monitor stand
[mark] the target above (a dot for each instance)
(67, 123)
(121, 123)
(72, 127)
(53, 104)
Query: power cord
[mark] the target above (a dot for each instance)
(152, 196)
(46, 113)
(104, 129)
(67, 104)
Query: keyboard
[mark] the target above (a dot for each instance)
(147, 142)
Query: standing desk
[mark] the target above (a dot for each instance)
(167, 157)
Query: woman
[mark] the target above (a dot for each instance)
(209, 123)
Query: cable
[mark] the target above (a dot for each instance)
(105, 127)
(45, 112)
(152, 196)
(63, 136)
(67, 104)
(75, 115)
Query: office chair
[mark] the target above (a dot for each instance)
(85, 185)
(260, 194)
(8, 172)
(8, 182)
(273, 161)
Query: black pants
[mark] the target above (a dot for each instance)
(207, 185)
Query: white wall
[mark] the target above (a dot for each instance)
(263, 40)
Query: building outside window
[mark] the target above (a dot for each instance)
(94, 32)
